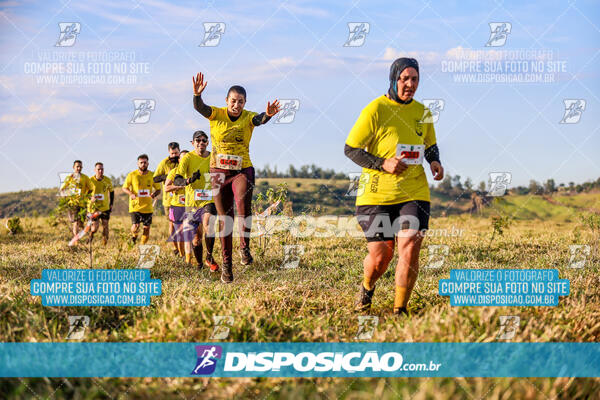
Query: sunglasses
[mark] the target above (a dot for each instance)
(200, 140)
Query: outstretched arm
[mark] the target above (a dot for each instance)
(264, 117)
(199, 86)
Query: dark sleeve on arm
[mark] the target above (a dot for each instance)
(260, 119)
(160, 178)
(364, 159)
(112, 199)
(202, 108)
(432, 153)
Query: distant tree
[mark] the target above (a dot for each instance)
(482, 186)
(469, 185)
(550, 186)
(534, 187)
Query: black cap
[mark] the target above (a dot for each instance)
(199, 134)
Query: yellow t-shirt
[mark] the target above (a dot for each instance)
(382, 125)
(77, 189)
(176, 198)
(142, 186)
(230, 138)
(101, 192)
(163, 168)
(199, 193)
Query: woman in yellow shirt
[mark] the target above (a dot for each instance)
(390, 139)
(232, 173)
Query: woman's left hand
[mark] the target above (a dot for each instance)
(437, 170)
(272, 109)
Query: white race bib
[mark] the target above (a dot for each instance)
(144, 193)
(229, 161)
(99, 196)
(413, 153)
(182, 199)
(202, 195)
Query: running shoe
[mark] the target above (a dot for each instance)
(402, 311)
(364, 298)
(246, 256)
(227, 273)
(212, 265)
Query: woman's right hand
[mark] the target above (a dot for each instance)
(199, 84)
(394, 165)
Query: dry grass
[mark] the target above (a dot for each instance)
(310, 303)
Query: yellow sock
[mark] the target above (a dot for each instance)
(401, 298)
(368, 283)
(188, 258)
(144, 239)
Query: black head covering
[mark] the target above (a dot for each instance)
(395, 70)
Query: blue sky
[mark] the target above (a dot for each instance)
(294, 50)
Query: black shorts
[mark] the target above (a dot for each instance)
(383, 222)
(144, 218)
(105, 215)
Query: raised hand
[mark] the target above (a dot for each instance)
(199, 84)
(273, 109)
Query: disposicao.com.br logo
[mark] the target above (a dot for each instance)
(267, 362)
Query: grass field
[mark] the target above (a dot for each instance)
(310, 303)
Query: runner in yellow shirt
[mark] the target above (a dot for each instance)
(193, 174)
(176, 196)
(142, 190)
(232, 173)
(103, 197)
(160, 174)
(390, 139)
(76, 187)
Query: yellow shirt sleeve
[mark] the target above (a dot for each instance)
(127, 183)
(110, 185)
(364, 129)
(182, 166)
(160, 169)
(429, 135)
(217, 113)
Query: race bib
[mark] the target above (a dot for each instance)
(413, 153)
(99, 196)
(144, 193)
(202, 195)
(229, 161)
(182, 199)
(75, 191)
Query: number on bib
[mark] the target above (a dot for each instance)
(229, 161)
(413, 153)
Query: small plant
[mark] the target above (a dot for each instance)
(269, 203)
(499, 225)
(14, 225)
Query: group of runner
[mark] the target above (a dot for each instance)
(391, 138)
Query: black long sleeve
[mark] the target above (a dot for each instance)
(432, 153)
(202, 108)
(112, 200)
(363, 158)
(260, 119)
